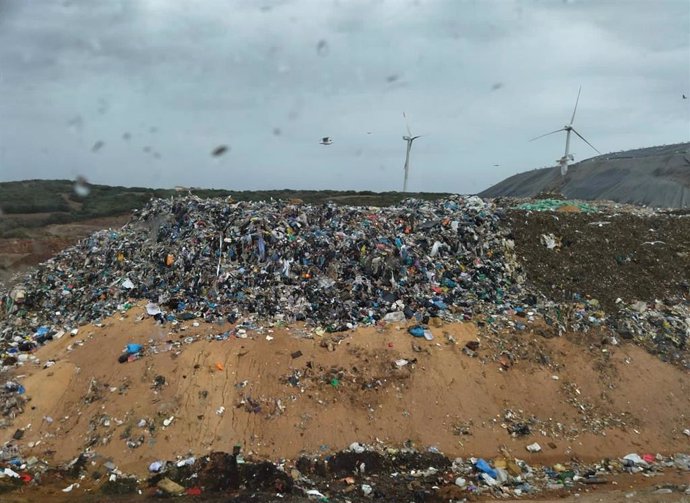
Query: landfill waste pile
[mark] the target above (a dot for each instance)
(623, 268)
(328, 265)
(337, 267)
(133, 362)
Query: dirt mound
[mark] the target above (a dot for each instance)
(281, 394)
(40, 244)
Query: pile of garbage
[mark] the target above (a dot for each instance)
(336, 267)
(326, 265)
(357, 474)
(662, 329)
(377, 472)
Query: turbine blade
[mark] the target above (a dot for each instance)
(547, 134)
(409, 133)
(583, 139)
(576, 102)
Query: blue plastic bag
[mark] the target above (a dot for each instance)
(416, 331)
(483, 466)
(133, 349)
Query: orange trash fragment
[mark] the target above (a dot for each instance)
(219, 366)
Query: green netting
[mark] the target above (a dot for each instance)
(554, 204)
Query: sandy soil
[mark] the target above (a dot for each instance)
(19, 255)
(278, 404)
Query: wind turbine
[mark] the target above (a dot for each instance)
(409, 139)
(568, 128)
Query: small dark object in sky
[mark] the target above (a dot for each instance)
(392, 78)
(126, 136)
(322, 48)
(81, 187)
(497, 86)
(219, 150)
(76, 123)
(277, 131)
(97, 146)
(146, 149)
(153, 129)
(326, 140)
(685, 97)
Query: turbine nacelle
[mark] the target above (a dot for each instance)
(563, 161)
(409, 139)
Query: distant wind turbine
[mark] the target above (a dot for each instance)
(409, 139)
(568, 128)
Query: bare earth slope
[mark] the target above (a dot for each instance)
(656, 176)
(277, 403)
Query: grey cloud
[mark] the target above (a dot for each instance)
(231, 72)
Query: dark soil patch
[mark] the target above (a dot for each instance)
(631, 257)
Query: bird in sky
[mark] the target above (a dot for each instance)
(326, 140)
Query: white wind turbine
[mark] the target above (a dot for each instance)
(568, 128)
(409, 139)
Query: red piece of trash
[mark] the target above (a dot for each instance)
(649, 458)
(194, 491)
(26, 478)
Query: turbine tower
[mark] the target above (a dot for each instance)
(409, 139)
(568, 128)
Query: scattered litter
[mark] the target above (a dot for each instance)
(70, 487)
(535, 447)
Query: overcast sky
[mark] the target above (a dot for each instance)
(139, 92)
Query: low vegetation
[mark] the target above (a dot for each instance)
(36, 203)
